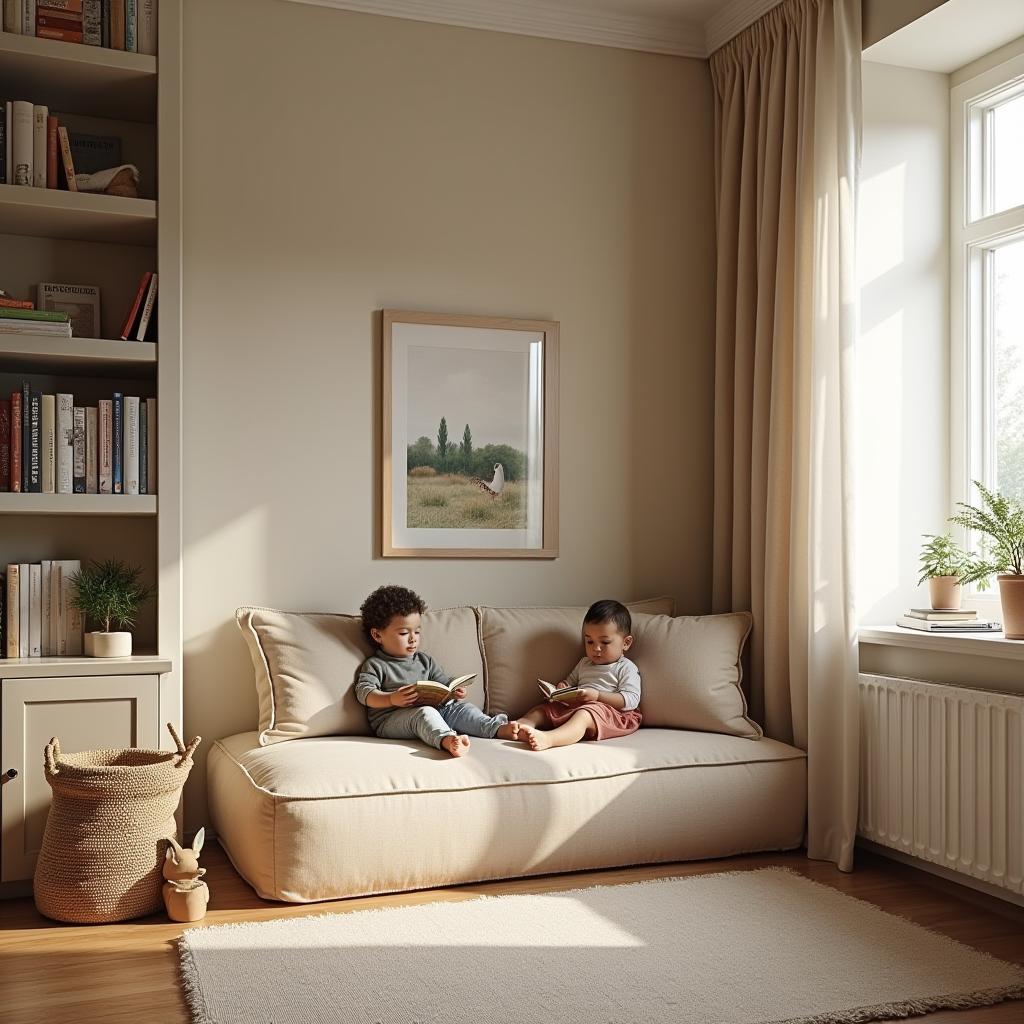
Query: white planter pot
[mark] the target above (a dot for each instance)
(108, 645)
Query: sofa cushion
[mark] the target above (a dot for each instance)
(690, 672)
(344, 816)
(522, 644)
(305, 665)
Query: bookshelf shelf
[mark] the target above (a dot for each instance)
(77, 79)
(53, 213)
(35, 668)
(78, 504)
(28, 353)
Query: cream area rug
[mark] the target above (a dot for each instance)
(746, 947)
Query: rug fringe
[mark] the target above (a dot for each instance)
(190, 983)
(911, 1007)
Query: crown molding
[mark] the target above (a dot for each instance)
(732, 19)
(680, 38)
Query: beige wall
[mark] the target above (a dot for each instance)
(338, 163)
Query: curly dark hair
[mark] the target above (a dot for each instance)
(387, 602)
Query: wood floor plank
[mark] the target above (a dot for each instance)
(128, 972)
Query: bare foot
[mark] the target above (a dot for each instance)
(533, 738)
(509, 731)
(455, 745)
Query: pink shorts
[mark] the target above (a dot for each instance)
(609, 721)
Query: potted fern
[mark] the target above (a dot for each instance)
(943, 562)
(109, 594)
(1000, 522)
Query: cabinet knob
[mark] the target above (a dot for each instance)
(11, 773)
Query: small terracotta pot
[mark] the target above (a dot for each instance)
(108, 645)
(1011, 597)
(945, 593)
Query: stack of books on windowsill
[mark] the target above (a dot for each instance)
(931, 620)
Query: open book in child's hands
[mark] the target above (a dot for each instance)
(552, 692)
(440, 691)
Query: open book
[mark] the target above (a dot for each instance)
(441, 691)
(552, 692)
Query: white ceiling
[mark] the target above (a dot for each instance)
(686, 28)
(952, 35)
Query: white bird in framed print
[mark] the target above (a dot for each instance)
(497, 484)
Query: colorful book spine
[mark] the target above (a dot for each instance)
(131, 444)
(39, 116)
(117, 26)
(133, 312)
(116, 462)
(147, 308)
(15, 481)
(78, 449)
(131, 25)
(35, 465)
(26, 434)
(66, 159)
(52, 148)
(5, 445)
(105, 447)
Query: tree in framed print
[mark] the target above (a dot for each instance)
(470, 436)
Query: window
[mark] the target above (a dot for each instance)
(987, 283)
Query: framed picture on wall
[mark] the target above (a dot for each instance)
(470, 437)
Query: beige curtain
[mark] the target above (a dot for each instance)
(787, 125)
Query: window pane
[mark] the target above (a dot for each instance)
(1008, 154)
(1008, 324)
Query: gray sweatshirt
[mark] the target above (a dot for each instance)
(384, 672)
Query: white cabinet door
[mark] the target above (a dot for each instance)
(84, 713)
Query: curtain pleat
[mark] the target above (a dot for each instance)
(787, 133)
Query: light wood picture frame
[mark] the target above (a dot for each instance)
(469, 436)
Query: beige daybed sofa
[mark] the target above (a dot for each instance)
(312, 807)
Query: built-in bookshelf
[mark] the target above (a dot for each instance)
(51, 234)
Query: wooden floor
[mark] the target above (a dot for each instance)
(128, 972)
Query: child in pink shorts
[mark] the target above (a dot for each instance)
(609, 687)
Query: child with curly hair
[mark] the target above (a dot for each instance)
(386, 681)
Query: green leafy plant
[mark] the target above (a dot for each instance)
(942, 556)
(110, 592)
(1000, 522)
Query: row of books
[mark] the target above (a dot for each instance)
(36, 149)
(73, 310)
(38, 616)
(49, 445)
(116, 24)
(941, 620)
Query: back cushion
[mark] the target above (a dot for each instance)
(522, 644)
(305, 665)
(690, 672)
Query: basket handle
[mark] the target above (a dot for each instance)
(52, 756)
(184, 752)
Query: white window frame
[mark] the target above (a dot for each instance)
(974, 233)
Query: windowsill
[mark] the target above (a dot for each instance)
(986, 645)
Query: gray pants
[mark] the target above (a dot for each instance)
(432, 724)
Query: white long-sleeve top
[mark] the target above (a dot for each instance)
(620, 676)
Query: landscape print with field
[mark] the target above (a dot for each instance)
(468, 435)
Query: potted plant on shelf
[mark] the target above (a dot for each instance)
(1000, 522)
(109, 594)
(943, 562)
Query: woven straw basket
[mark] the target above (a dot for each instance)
(103, 847)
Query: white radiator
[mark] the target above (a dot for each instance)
(942, 776)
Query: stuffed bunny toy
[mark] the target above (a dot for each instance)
(185, 893)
